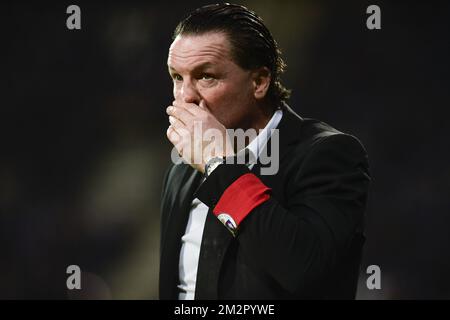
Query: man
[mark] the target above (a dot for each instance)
(227, 230)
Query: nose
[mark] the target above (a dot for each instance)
(189, 93)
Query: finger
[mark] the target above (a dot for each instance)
(181, 114)
(189, 107)
(175, 123)
(172, 135)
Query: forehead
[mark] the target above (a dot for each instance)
(188, 51)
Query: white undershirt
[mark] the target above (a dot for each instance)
(192, 239)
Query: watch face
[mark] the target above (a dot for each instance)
(212, 164)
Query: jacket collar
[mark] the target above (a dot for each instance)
(174, 230)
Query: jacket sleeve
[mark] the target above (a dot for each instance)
(302, 241)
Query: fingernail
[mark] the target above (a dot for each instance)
(169, 109)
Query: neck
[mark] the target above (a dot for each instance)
(262, 116)
(257, 121)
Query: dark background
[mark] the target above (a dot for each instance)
(83, 145)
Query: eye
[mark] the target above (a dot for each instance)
(207, 77)
(177, 77)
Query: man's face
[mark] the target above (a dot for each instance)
(202, 69)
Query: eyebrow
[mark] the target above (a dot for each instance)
(204, 65)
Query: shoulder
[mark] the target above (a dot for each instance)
(319, 141)
(320, 135)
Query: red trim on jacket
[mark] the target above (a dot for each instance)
(241, 197)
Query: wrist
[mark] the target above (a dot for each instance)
(212, 164)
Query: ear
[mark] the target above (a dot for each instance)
(261, 82)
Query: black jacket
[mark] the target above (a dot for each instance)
(304, 242)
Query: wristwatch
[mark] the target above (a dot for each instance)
(213, 164)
